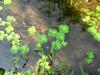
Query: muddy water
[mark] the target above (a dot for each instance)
(37, 13)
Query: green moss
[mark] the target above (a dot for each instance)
(60, 36)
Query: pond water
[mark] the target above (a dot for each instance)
(37, 13)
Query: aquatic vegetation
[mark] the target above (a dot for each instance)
(7, 2)
(32, 30)
(91, 30)
(92, 21)
(1, 8)
(60, 36)
(64, 28)
(42, 38)
(98, 69)
(2, 36)
(97, 36)
(9, 29)
(89, 57)
(52, 32)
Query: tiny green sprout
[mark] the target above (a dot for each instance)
(10, 19)
(1, 8)
(97, 36)
(64, 28)
(52, 32)
(60, 36)
(2, 35)
(7, 2)
(42, 38)
(15, 48)
(89, 57)
(9, 29)
(32, 30)
(24, 49)
(91, 30)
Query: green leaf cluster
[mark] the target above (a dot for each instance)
(42, 38)
(19, 48)
(92, 20)
(89, 57)
(7, 2)
(32, 30)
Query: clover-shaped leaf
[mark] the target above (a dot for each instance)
(52, 32)
(63, 28)
(32, 30)
(42, 38)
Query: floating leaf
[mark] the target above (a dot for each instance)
(60, 36)
(42, 38)
(63, 28)
(52, 32)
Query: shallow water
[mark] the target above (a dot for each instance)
(34, 12)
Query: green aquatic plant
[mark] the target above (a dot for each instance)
(64, 28)
(32, 30)
(10, 19)
(15, 48)
(97, 36)
(9, 29)
(19, 48)
(7, 2)
(92, 30)
(42, 38)
(2, 35)
(91, 19)
(98, 69)
(52, 32)
(89, 57)
(24, 49)
(60, 36)
(43, 65)
(1, 8)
